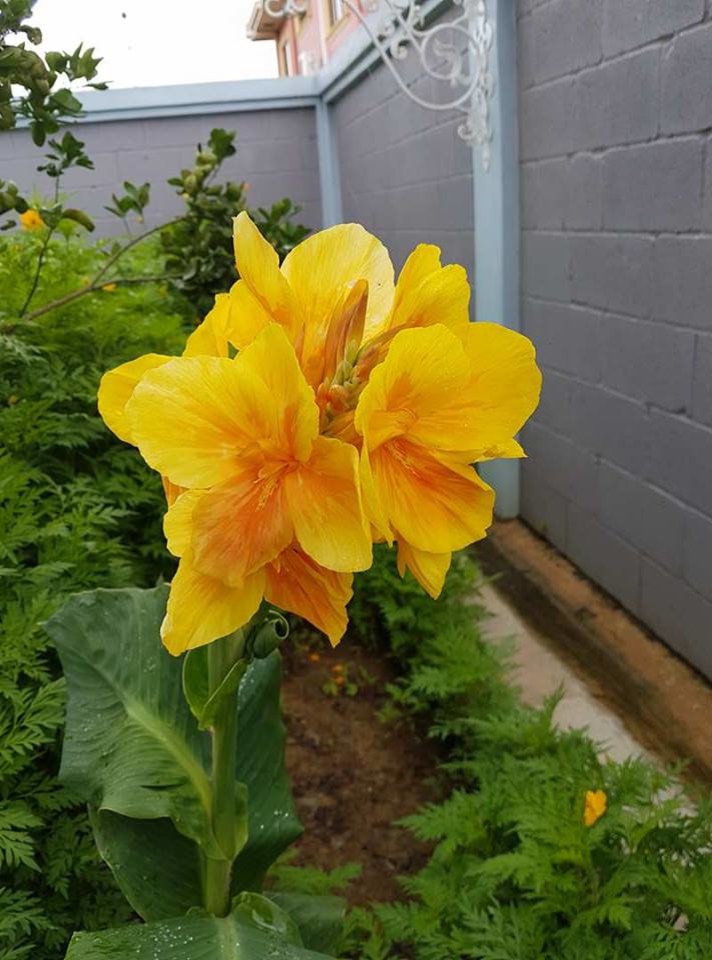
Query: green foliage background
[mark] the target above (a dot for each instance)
(78, 509)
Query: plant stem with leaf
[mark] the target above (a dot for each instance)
(222, 655)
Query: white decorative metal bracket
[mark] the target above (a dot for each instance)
(455, 53)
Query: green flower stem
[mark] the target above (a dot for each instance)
(222, 654)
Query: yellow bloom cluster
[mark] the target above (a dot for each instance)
(320, 407)
(595, 805)
(31, 220)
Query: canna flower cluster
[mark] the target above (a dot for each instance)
(321, 407)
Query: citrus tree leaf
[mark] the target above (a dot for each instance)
(255, 930)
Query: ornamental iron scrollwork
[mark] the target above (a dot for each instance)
(454, 53)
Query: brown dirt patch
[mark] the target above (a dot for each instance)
(353, 775)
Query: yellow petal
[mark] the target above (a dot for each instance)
(210, 339)
(429, 569)
(435, 503)
(324, 501)
(372, 504)
(297, 584)
(247, 316)
(178, 521)
(428, 293)
(192, 417)
(202, 609)
(239, 526)
(116, 388)
(258, 265)
(271, 358)
(419, 391)
(323, 267)
(509, 450)
(505, 382)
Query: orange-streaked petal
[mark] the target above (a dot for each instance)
(505, 382)
(258, 265)
(239, 526)
(297, 584)
(373, 506)
(272, 359)
(192, 418)
(116, 389)
(435, 503)
(322, 268)
(429, 569)
(171, 490)
(324, 501)
(419, 391)
(202, 609)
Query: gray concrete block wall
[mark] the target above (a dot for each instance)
(616, 211)
(405, 174)
(276, 155)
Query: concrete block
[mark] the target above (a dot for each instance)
(567, 338)
(545, 265)
(628, 24)
(544, 194)
(655, 186)
(678, 614)
(698, 553)
(609, 426)
(702, 380)
(616, 102)
(650, 362)
(566, 468)
(543, 507)
(546, 120)
(612, 272)
(559, 38)
(686, 92)
(584, 200)
(682, 281)
(605, 557)
(646, 518)
(679, 459)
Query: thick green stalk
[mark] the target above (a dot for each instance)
(222, 654)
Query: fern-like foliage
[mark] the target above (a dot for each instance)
(515, 873)
(78, 510)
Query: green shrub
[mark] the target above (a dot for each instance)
(515, 873)
(78, 509)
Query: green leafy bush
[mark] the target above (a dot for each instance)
(515, 873)
(78, 509)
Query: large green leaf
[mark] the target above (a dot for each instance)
(256, 930)
(272, 821)
(157, 868)
(131, 744)
(320, 919)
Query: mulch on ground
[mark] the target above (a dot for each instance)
(352, 775)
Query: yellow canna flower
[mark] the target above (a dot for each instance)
(353, 411)
(31, 220)
(595, 806)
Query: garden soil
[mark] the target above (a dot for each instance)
(352, 775)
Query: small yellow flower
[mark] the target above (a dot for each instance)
(109, 287)
(31, 220)
(12, 400)
(314, 657)
(596, 804)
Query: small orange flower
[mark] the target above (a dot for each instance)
(314, 657)
(596, 804)
(31, 220)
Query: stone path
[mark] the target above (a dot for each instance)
(538, 671)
